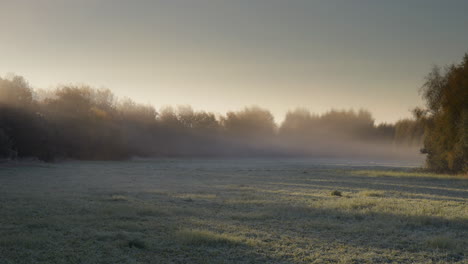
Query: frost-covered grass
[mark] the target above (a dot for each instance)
(398, 173)
(229, 211)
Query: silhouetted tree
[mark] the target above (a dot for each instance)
(252, 122)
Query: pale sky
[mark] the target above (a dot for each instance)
(220, 55)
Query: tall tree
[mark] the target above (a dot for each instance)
(446, 118)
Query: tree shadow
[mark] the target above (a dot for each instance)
(361, 230)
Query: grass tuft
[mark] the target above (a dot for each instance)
(335, 193)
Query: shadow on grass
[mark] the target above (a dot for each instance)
(369, 230)
(309, 228)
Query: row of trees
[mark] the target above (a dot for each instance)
(80, 122)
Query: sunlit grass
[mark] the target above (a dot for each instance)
(206, 238)
(389, 173)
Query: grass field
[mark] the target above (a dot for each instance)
(229, 211)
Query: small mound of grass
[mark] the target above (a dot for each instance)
(137, 243)
(206, 238)
(336, 193)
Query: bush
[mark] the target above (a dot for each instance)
(335, 193)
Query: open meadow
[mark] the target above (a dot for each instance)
(230, 211)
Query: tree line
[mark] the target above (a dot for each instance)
(81, 122)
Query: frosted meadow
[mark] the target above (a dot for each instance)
(230, 211)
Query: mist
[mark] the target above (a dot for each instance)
(82, 122)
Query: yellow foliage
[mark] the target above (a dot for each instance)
(99, 113)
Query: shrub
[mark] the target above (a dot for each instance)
(335, 193)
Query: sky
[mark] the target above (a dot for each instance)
(220, 55)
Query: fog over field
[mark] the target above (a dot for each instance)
(81, 122)
(242, 131)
